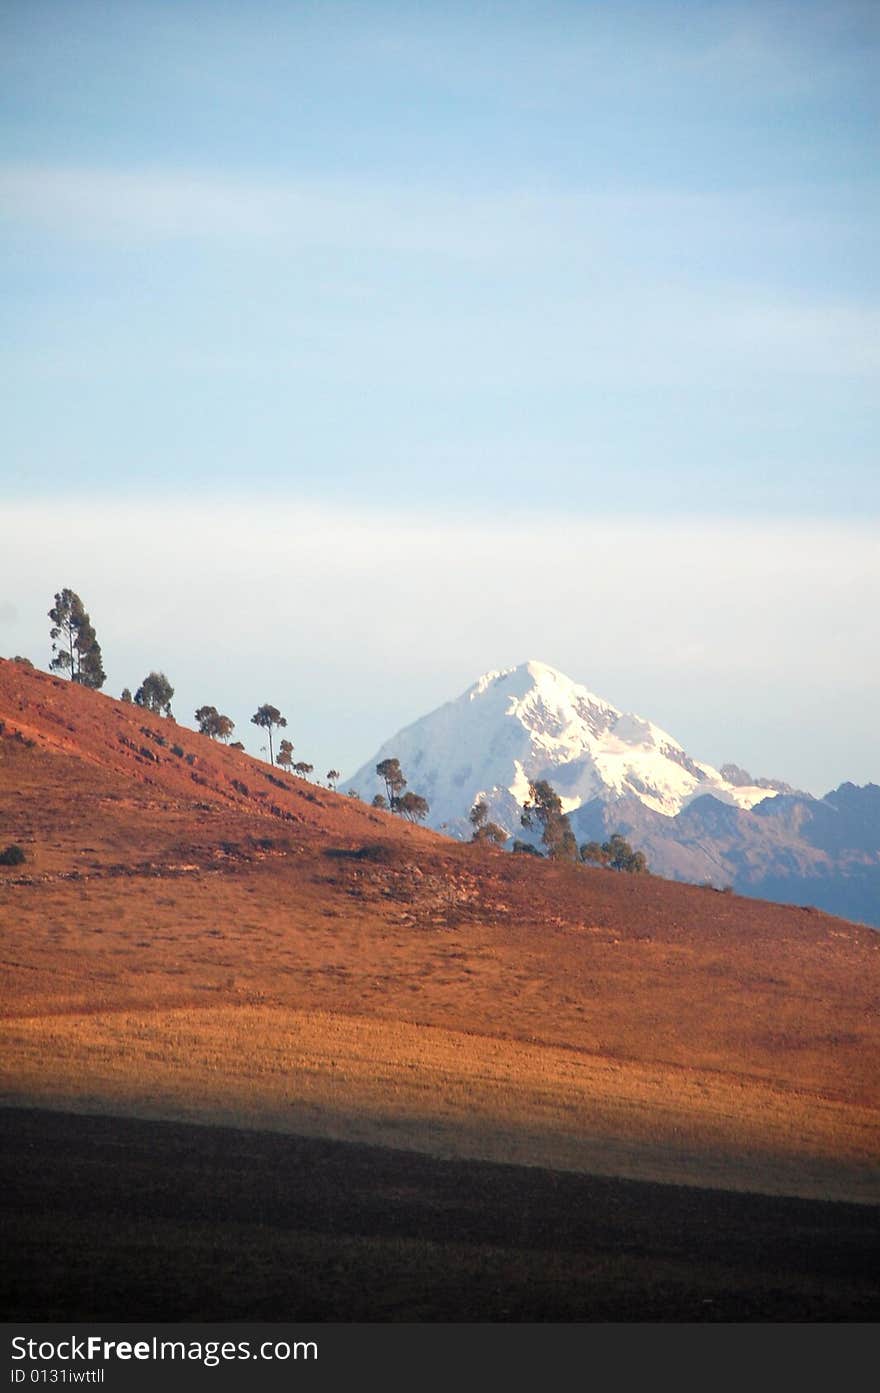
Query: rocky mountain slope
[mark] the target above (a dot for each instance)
(792, 848)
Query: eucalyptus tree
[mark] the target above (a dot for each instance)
(212, 723)
(267, 717)
(544, 811)
(413, 807)
(486, 832)
(155, 693)
(284, 757)
(389, 770)
(75, 648)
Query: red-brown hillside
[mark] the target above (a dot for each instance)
(194, 935)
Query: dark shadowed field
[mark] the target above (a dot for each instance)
(122, 1219)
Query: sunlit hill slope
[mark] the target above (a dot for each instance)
(196, 936)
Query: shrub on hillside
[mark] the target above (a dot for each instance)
(12, 856)
(521, 848)
(374, 851)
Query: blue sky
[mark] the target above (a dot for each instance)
(482, 267)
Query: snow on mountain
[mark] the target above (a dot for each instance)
(531, 722)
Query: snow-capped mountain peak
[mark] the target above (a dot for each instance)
(532, 722)
(546, 702)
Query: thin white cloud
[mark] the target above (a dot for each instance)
(164, 204)
(825, 336)
(626, 286)
(119, 203)
(622, 222)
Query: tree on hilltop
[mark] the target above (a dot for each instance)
(155, 693)
(75, 648)
(544, 811)
(284, 757)
(413, 807)
(303, 769)
(616, 853)
(332, 778)
(623, 857)
(266, 717)
(389, 770)
(486, 832)
(212, 723)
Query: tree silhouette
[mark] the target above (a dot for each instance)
(389, 770)
(155, 693)
(525, 848)
(284, 757)
(266, 717)
(212, 723)
(380, 801)
(303, 769)
(333, 778)
(623, 858)
(486, 832)
(413, 807)
(544, 810)
(75, 649)
(616, 853)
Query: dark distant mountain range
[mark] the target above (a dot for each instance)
(791, 847)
